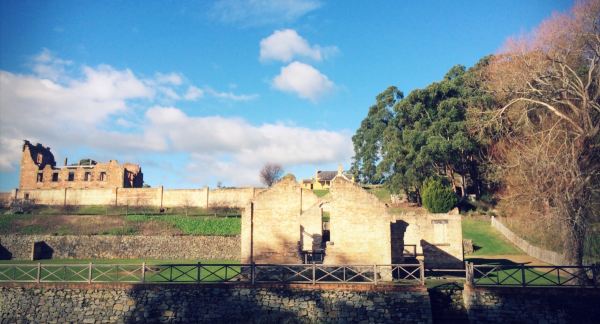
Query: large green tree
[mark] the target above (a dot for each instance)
(368, 140)
(403, 141)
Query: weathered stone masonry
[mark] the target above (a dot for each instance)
(213, 303)
(127, 247)
(322, 303)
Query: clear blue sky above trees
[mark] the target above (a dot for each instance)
(209, 91)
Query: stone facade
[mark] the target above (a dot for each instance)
(125, 247)
(284, 223)
(437, 237)
(213, 303)
(359, 226)
(277, 222)
(39, 171)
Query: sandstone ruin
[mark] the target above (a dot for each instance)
(39, 171)
(284, 225)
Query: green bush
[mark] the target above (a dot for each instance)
(437, 197)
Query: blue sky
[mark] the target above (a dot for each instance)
(205, 92)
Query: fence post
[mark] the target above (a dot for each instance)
(144, 272)
(422, 271)
(375, 273)
(467, 274)
(39, 270)
(198, 272)
(314, 273)
(90, 273)
(523, 274)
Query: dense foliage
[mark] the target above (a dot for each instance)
(437, 197)
(405, 140)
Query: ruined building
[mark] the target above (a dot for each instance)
(39, 171)
(285, 224)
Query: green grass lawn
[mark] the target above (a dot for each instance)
(321, 192)
(191, 225)
(486, 240)
(131, 224)
(382, 193)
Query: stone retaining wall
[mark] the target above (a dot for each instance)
(534, 251)
(125, 247)
(532, 305)
(293, 303)
(213, 303)
(156, 197)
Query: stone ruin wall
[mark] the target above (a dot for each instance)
(183, 247)
(37, 159)
(359, 226)
(277, 221)
(286, 220)
(155, 197)
(438, 237)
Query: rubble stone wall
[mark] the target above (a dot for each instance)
(125, 247)
(212, 303)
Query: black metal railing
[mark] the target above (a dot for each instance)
(213, 273)
(522, 275)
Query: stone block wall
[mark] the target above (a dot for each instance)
(231, 197)
(185, 197)
(276, 221)
(359, 226)
(157, 197)
(126, 247)
(91, 196)
(532, 305)
(438, 237)
(213, 303)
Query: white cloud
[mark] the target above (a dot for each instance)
(47, 66)
(230, 95)
(193, 93)
(169, 78)
(81, 112)
(285, 45)
(303, 80)
(261, 12)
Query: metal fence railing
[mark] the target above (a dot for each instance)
(517, 275)
(213, 273)
(532, 276)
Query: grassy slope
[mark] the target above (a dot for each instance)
(489, 241)
(119, 225)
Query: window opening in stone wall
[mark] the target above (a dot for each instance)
(71, 176)
(87, 176)
(440, 231)
(55, 177)
(40, 177)
(26, 196)
(102, 176)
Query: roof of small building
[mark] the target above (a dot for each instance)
(326, 175)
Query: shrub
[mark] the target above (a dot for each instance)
(437, 197)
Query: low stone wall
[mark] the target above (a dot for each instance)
(156, 197)
(125, 247)
(534, 251)
(214, 303)
(532, 305)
